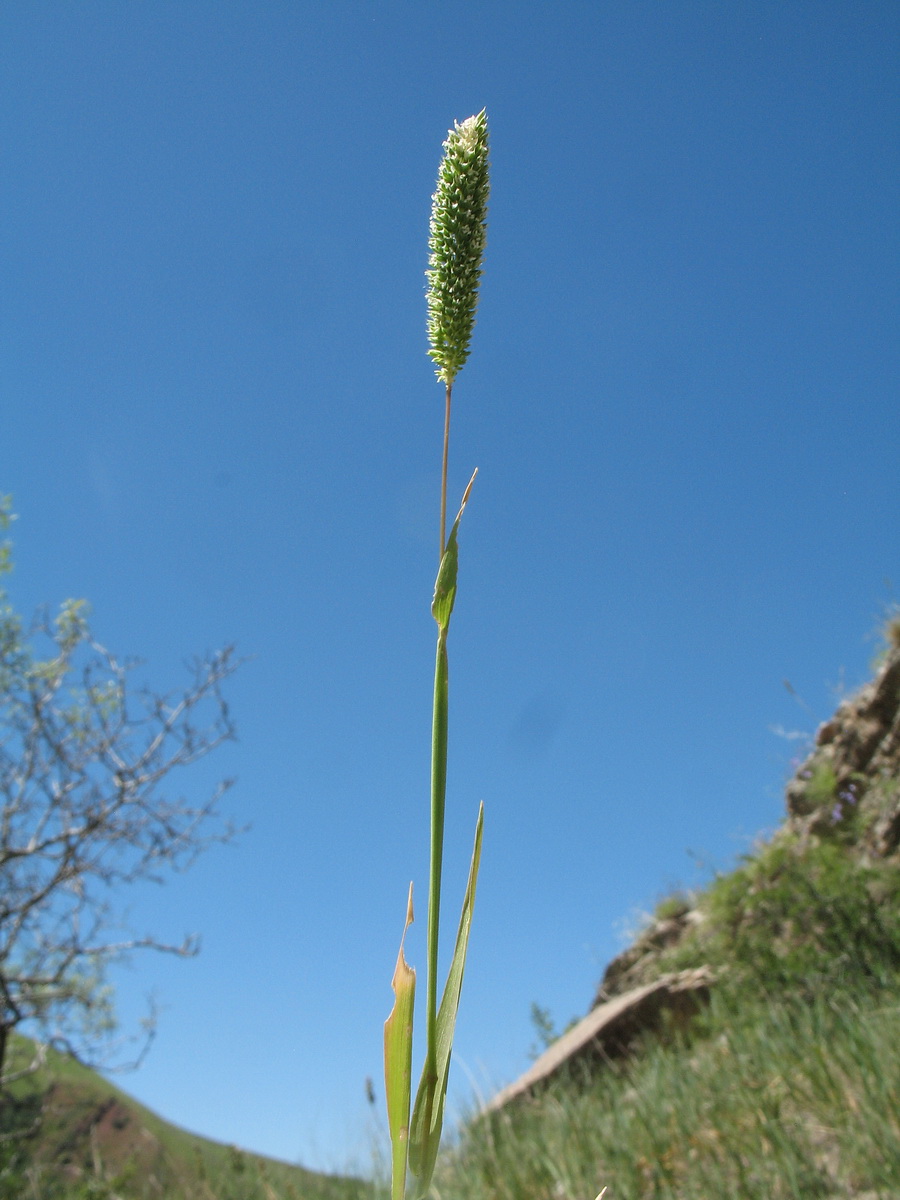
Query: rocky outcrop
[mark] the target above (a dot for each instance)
(848, 787)
(852, 774)
(610, 1029)
(637, 965)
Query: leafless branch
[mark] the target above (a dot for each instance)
(83, 760)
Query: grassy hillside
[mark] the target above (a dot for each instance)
(788, 1084)
(769, 1099)
(90, 1139)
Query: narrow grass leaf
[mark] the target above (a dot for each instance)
(398, 1034)
(428, 1112)
(445, 584)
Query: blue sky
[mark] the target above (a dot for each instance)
(220, 425)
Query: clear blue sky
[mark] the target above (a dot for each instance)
(219, 424)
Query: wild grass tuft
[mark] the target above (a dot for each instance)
(786, 1086)
(775, 1099)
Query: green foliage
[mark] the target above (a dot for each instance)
(800, 919)
(768, 1101)
(671, 907)
(544, 1029)
(73, 1153)
(880, 801)
(888, 634)
(822, 785)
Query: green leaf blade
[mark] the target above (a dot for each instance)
(398, 1037)
(428, 1111)
(445, 584)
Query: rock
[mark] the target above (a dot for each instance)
(858, 748)
(827, 732)
(636, 965)
(886, 832)
(610, 1029)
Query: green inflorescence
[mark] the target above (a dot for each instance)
(456, 244)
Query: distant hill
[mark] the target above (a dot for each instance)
(80, 1136)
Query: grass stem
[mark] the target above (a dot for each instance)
(444, 473)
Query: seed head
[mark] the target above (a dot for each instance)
(458, 234)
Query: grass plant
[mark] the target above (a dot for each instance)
(456, 244)
(776, 1099)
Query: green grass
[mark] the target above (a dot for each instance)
(94, 1142)
(771, 1099)
(786, 1086)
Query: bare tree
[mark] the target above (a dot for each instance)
(83, 755)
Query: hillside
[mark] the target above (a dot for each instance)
(748, 1043)
(90, 1139)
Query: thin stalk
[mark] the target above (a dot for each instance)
(438, 800)
(438, 786)
(444, 473)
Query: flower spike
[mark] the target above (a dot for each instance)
(456, 244)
